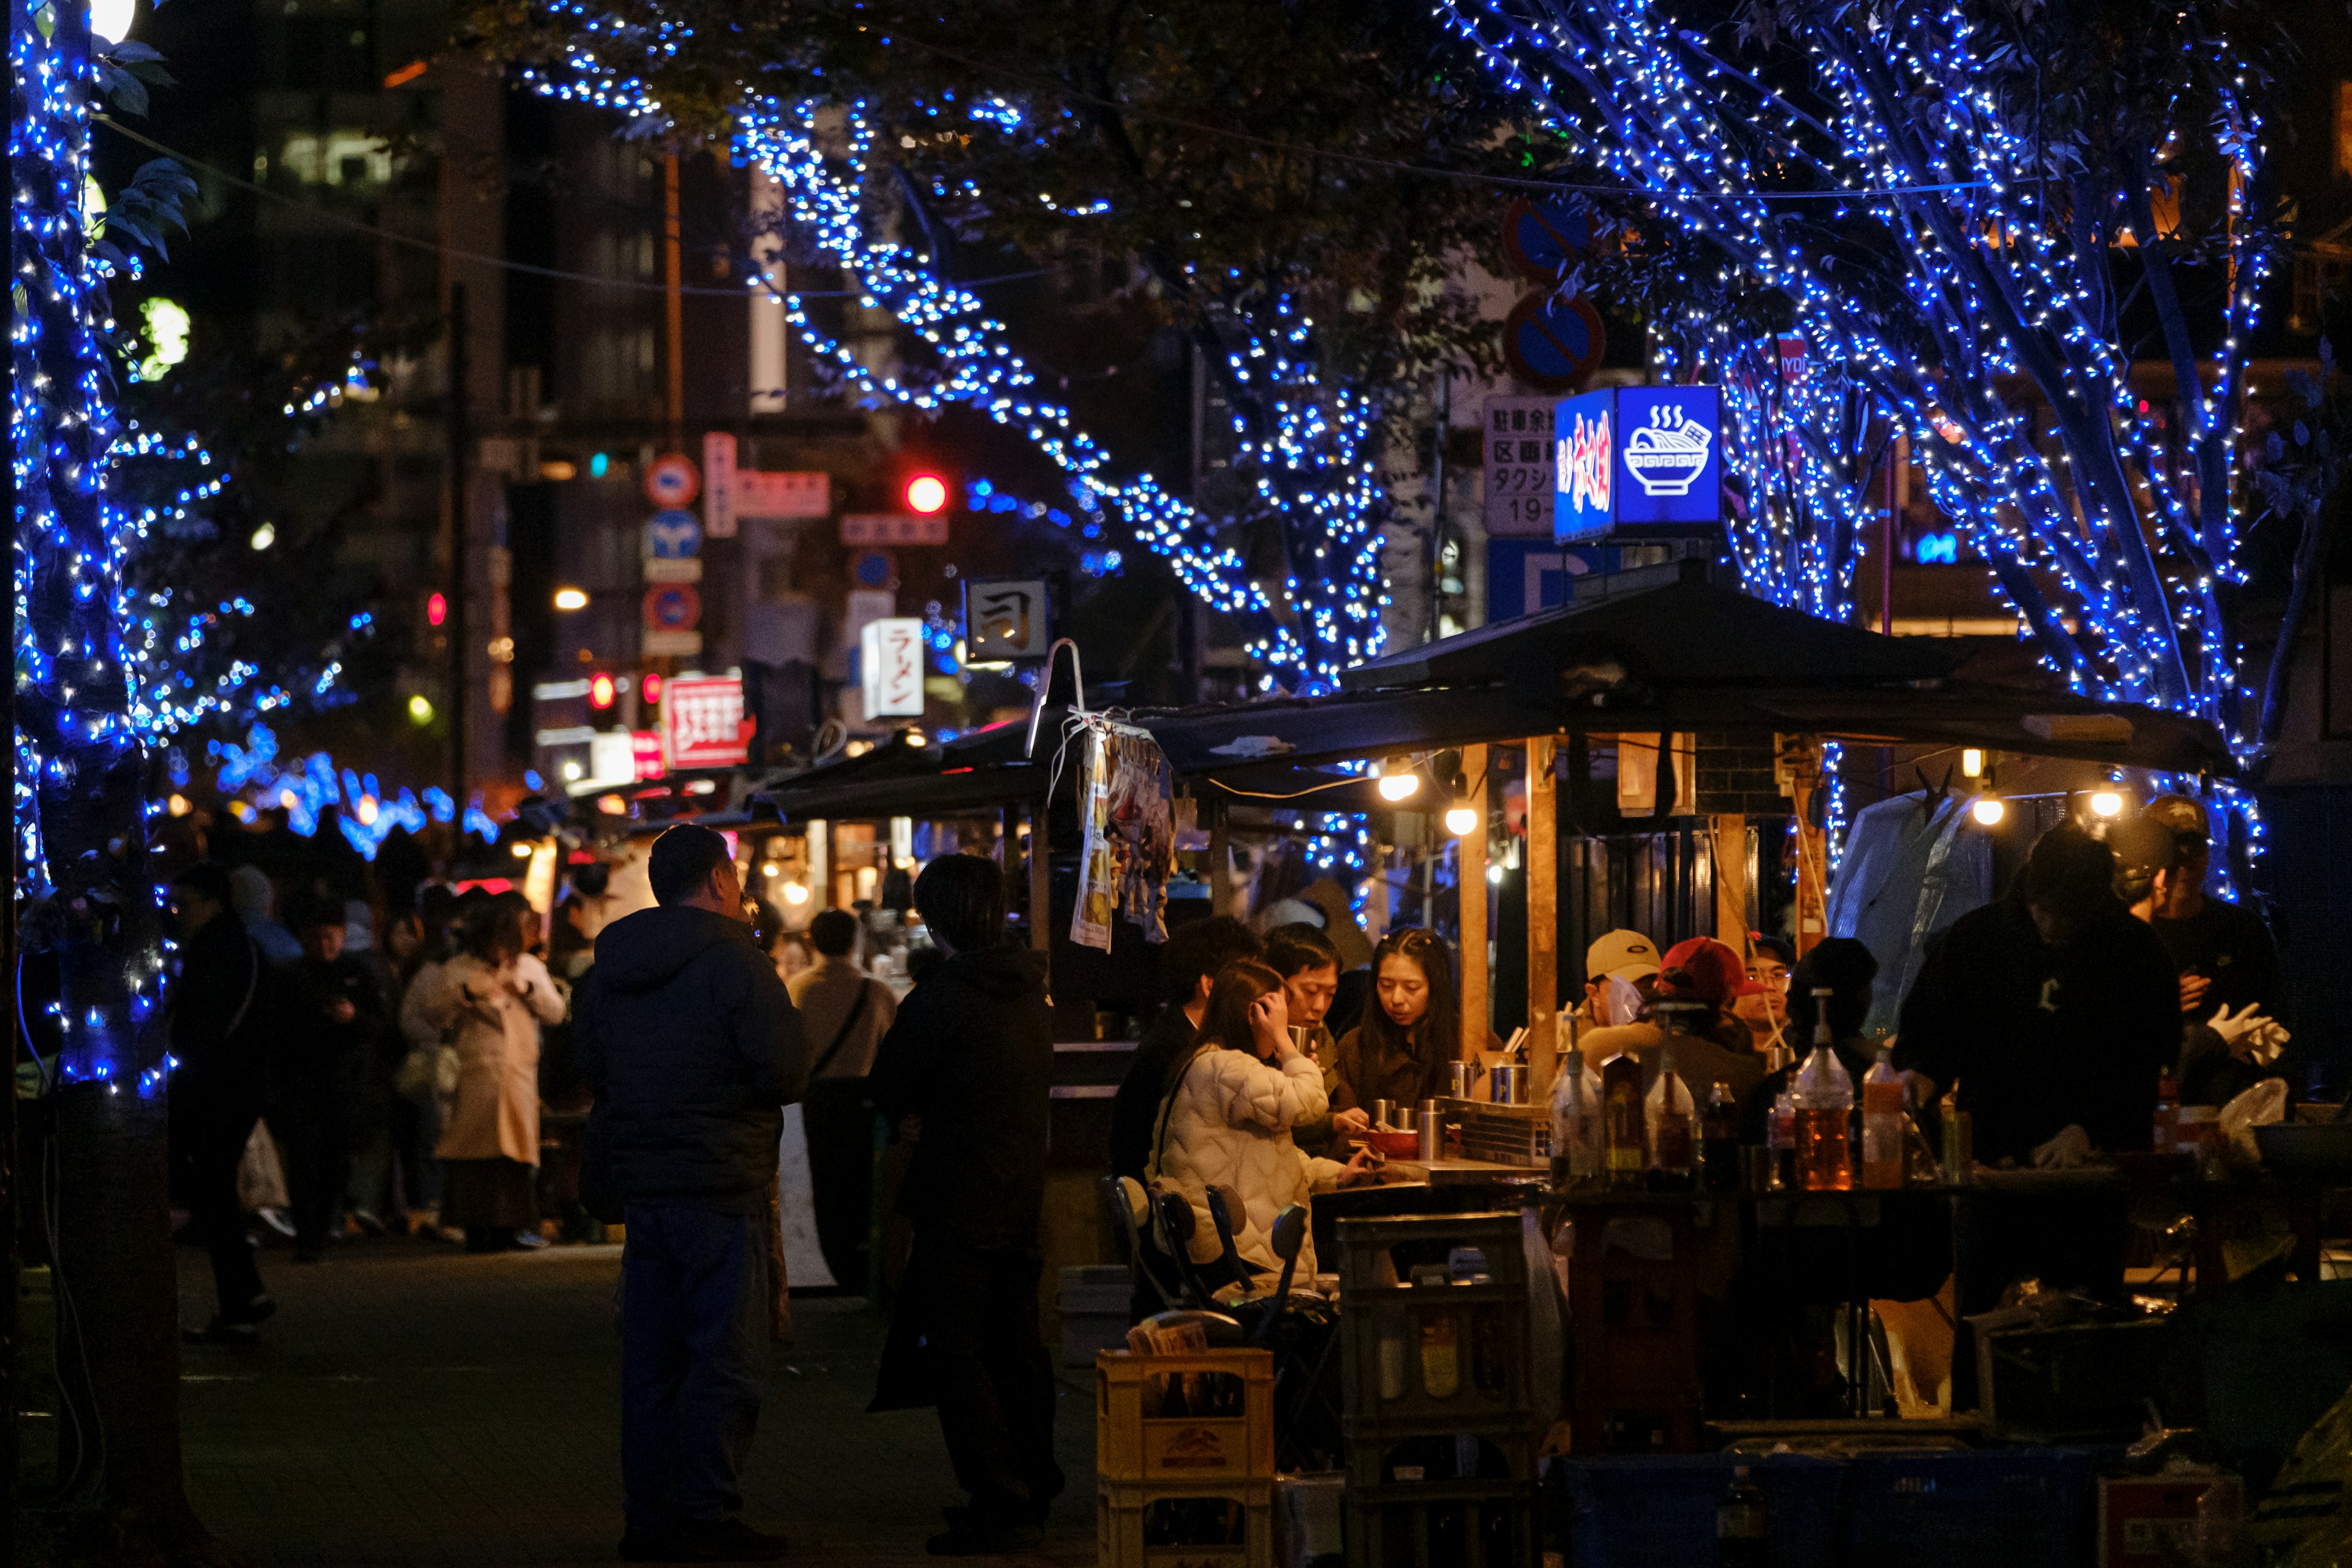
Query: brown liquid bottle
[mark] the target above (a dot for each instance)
(1625, 1140)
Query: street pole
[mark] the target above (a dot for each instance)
(458, 540)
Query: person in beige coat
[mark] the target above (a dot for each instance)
(490, 1003)
(1228, 1120)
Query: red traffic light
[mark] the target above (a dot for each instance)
(926, 494)
(436, 609)
(599, 690)
(649, 688)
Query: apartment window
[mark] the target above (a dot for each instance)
(336, 158)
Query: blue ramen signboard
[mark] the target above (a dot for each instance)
(1638, 461)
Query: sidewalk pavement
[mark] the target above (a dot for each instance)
(410, 1405)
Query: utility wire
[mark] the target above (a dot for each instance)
(505, 263)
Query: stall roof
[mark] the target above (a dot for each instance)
(1661, 628)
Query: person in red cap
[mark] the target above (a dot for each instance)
(1699, 1038)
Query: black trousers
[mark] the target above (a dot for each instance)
(209, 1130)
(994, 1380)
(317, 1141)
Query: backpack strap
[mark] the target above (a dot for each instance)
(841, 1035)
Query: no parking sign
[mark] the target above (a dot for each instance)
(672, 482)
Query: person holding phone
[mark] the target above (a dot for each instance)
(1230, 1118)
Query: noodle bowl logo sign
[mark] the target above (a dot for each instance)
(1638, 461)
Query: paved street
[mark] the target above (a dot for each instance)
(412, 1406)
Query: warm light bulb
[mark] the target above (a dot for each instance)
(2106, 803)
(1989, 811)
(768, 868)
(1461, 820)
(265, 536)
(111, 19)
(1398, 786)
(522, 849)
(570, 599)
(794, 893)
(178, 805)
(1971, 762)
(420, 709)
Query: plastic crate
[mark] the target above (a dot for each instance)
(1998, 1507)
(1659, 1512)
(1403, 1378)
(1443, 1525)
(1134, 1447)
(1130, 1517)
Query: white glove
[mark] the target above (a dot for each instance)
(2070, 1149)
(2250, 1036)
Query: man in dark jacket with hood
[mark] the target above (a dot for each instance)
(966, 1070)
(692, 1049)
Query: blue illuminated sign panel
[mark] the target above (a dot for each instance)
(1638, 461)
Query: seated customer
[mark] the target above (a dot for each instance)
(1310, 967)
(1194, 953)
(1846, 968)
(1228, 1119)
(1411, 1032)
(1698, 1039)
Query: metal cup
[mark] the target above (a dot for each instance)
(1432, 1132)
(1507, 1084)
(1380, 1109)
(1459, 1078)
(1301, 1037)
(1404, 1121)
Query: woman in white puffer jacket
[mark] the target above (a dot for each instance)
(1227, 1120)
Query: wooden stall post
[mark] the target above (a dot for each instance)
(1543, 911)
(1041, 884)
(1800, 773)
(1221, 862)
(1470, 891)
(1728, 833)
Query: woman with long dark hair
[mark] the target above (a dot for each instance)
(1228, 1119)
(1412, 1030)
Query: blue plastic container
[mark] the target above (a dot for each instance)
(1994, 1508)
(1659, 1512)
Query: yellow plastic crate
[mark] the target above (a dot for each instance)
(1128, 1516)
(1130, 1447)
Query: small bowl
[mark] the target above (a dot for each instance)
(1395, 1145)
(2309, 1151)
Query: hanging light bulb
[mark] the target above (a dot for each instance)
(1398, 779)
(1462, 819)
(1972, 762)
(2106, 803)
(1989, 811)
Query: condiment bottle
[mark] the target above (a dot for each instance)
(1742, 1524)
(1825, 1095)
(1575, 1122)
(1670, 1115)
(1624, 1154)
(2168, 1115)
(1780, 1137)
(1959, 1137)
(1718, 1150)
(1882, 1122)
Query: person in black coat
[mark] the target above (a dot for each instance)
(222, 994)
(965, 1072)
(692, 1049)
(2053, 1007)
(329, 1034)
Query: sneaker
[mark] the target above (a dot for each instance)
(977, 1540)
(528, 1241)
(276, 1220)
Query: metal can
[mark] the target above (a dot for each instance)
(1432, 1132)
(1508, 1085)
(1461, 1078)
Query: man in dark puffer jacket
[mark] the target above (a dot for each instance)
(966, 1070)
(692, 1048)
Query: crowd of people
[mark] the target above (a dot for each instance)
(335, 1083)
(403, 1080)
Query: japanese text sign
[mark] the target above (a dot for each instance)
(703, 724)
(1637, 461)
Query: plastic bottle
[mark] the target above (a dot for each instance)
(2168, 1115)
(1780, 1137)
(1625, 1154)
(1671, 1118)
(1882, 1122)
(1825, 1095)
(1743, 1533)
(1568, 1102)
(1719, 1149)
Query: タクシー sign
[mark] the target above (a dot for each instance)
(1519, 467)
(1637, 461)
